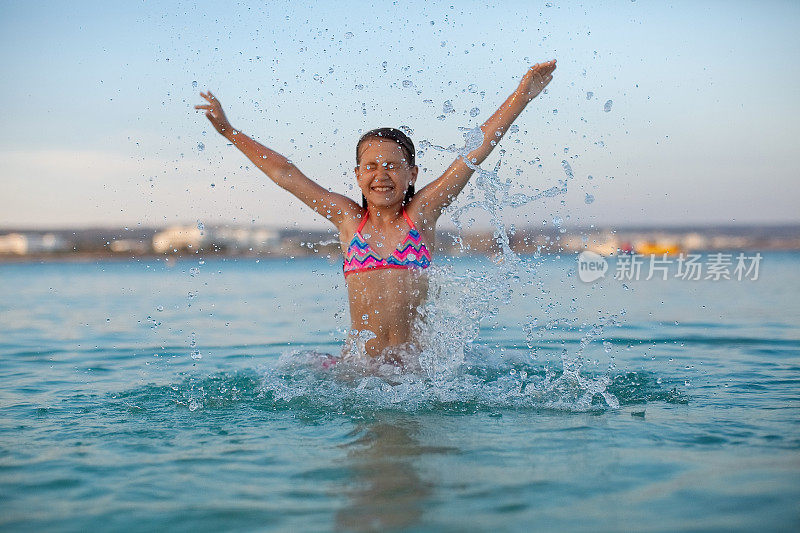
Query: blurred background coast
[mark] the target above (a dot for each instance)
(242, 241)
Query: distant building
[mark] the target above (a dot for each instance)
(604, 243)
(728, 242)
(24, 244)
(129, 246)
(694, 241)
(178, 238)
(235, 240)
(13, 243)
(244, 240)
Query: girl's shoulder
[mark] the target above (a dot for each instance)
(350, 223)
(422, 219)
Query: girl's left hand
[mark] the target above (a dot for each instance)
(536, 79)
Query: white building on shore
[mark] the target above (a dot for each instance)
(176, 238)
(234, 239)
(24, 244)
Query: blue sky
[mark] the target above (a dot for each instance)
(100, 130)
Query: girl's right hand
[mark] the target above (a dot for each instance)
(215, 114)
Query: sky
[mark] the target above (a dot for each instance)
(667, 113)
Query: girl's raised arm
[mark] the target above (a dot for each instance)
(334, 207)
(440, 193)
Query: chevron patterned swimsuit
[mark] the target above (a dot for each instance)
(411, 253)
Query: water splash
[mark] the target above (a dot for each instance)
(194, 353)
(450, 321)
(300, 383)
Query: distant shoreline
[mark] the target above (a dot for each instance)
(89, 258)
(195, 241)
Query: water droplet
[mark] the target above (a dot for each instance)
(160, 308)
(408, 83)
(447, 107)
(474, 112)
(201, 147)
(589, 198)
(407, 130)
(607, 106)
(472, 88)
(194, 405)
(194, 84)
(589, 95)
(200, 226)
(567, 169)
(349, 35)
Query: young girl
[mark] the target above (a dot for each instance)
(388, 240)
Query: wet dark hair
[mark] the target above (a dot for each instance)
(405, 144)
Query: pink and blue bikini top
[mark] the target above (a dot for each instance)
(411, 253)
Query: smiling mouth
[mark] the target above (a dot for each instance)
(382, 188)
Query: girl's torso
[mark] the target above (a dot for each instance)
(386, 282)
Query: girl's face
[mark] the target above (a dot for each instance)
(383, 172)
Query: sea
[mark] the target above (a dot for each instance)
(189, 394)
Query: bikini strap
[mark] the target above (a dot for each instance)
(411, 224)
(363, 221)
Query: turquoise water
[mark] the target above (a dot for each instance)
(138, 396)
